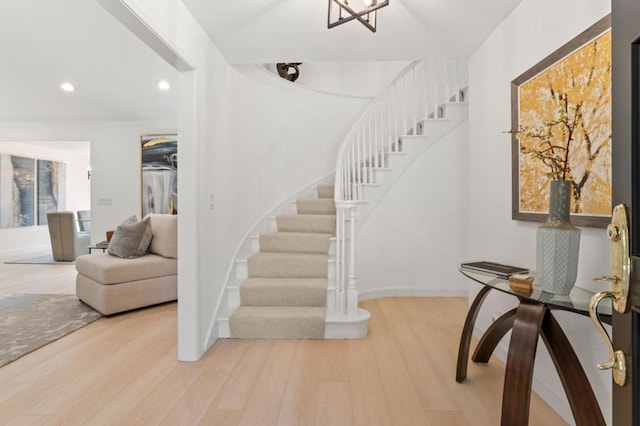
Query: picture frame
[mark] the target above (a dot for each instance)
(52, 188)
(17, 191)
(159, 173)
(561, 110)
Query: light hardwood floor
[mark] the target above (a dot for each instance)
(122, 370)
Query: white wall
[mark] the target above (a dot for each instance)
(272, 139)
(413, 241)
(15, 242)
(115, 163)
(241, 137)
(535, 29)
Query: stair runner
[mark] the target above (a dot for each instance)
(285, 294)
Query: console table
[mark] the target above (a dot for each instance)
(532, 318)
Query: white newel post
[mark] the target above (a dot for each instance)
(340, 255)
(352, 291)
(346, 287)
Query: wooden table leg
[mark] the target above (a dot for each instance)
(583, 402)
(516, 395)
(467, 331)
(493, 335)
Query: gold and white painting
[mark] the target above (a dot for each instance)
(563, 131)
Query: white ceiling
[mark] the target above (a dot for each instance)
(44, 43)
(270, 31)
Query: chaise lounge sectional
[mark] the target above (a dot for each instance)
(111, 284)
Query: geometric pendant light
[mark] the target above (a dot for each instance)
(364, 11)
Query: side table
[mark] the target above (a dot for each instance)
(98, 246)
(532, 318)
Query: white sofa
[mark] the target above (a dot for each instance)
(111, 284)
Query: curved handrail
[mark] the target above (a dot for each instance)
(417, 93)
(363, 117)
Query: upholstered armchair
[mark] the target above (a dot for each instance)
(66, 242)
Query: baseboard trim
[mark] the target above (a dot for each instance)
(412, 292)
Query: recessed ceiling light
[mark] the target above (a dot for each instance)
(67, 87)
(164, 85)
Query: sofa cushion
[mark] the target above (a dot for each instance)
(165, 234)
(107, 269)
(131, 238)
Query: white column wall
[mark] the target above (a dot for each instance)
(535, 29)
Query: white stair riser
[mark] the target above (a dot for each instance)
(242, 270)
(223, 328)
(255, 244)
(233, 296)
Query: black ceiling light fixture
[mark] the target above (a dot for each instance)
(341, 11)
(288, 71)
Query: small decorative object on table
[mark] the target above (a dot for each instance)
(521, 283)
(558, 243)
(102, 244)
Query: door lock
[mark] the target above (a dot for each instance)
(620, 273)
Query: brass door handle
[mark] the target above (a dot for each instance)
(619, 275)
(617, 359)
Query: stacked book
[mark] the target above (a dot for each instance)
(102, 244)
(497, 269)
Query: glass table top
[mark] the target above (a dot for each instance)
(576, 301)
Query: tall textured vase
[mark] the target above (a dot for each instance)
(558, 243)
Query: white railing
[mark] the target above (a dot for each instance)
(419, 92)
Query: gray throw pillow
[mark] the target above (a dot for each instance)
(131, 238)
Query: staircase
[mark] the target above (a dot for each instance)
(284, 294)
(299, 281)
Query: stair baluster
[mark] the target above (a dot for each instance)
(418, 93)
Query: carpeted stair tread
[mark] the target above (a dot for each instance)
(278, 322)
(325, 191)
(288, 265)
(284, 292)
(316, 206)
(311, 223)
(295, 242)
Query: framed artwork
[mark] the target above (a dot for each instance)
(52, 188)
(561, 129)
(17, 197)
(159, 174)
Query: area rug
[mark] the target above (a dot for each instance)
(45, 259)
(30, 321)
